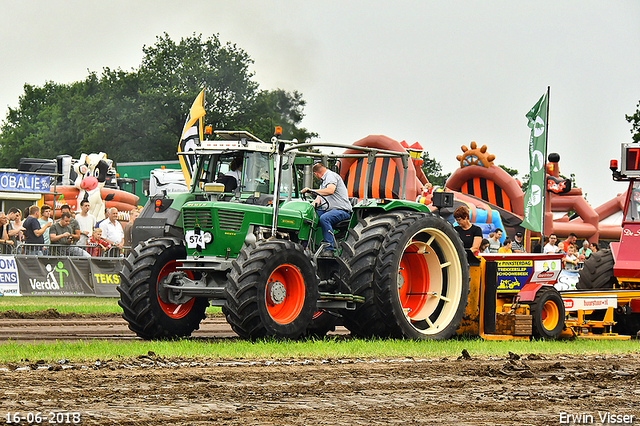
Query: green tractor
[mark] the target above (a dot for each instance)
(399, 270)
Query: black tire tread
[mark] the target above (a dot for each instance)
(360, 250)
(241, 306)
(597, 271)
(137, 290)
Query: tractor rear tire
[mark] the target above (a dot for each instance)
(421, 280)
(597, 271)
(547, 312)
(147, 315)
(272, 291)
(359, 252)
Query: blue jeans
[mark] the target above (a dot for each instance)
(328, 218)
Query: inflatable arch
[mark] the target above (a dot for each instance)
(479, 177)
(494, 198)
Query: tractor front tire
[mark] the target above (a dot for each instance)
(421, 278)
(597, 271)
(272, 291)
(547, 312)
(148, 316)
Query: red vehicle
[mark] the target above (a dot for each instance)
(615, 272)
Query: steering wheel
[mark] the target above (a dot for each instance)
(311, 196)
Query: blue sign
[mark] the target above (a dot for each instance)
(24, 182)
(513, 274)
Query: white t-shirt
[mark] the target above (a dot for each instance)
(86, 223)
(548, 248)
(112, 232)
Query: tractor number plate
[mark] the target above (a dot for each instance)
(195, 239)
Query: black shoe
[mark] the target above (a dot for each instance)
(327, 253)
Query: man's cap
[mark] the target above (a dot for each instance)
(518, 234)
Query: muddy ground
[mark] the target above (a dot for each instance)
(525, 389)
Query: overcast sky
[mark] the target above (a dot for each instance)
(443, 73)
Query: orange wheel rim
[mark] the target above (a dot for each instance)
(170, 309)
(550, 315)
(284, 294)
(414, 287)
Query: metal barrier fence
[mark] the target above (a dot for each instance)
(59, 271)
(58, 250)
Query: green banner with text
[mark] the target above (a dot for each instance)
(534, 196)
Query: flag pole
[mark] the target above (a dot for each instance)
(544, 190)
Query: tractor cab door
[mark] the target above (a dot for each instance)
(633, 203)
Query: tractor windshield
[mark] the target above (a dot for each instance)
(633, 209)
(287, 183)
(256, 173)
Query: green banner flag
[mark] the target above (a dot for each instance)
(534, 197)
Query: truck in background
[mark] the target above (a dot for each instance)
(140, 171)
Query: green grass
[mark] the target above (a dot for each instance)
(322, 349)
(270, 349)
(80, 305)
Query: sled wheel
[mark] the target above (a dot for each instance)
(547, 311)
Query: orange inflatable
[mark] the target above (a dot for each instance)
(67, 194)
(386, 177)
(479, 177)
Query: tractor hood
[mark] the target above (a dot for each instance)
(214, 228)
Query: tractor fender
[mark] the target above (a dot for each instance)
(528, 292)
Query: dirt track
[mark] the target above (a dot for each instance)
(51, 326)
(151, 390)
(154, 391)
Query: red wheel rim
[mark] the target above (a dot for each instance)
(171, 310)
(284, 294)
(414, 273)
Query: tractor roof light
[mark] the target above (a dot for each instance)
(613, 165)
(278, 131)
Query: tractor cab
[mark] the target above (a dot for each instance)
(627, 265)
(236, 166)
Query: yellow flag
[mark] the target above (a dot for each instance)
(191, 137)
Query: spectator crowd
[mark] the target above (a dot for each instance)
(73, 234)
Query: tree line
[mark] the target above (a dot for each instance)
(138, 115)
